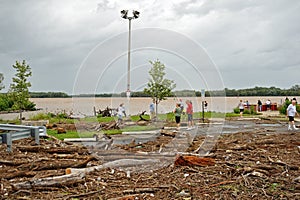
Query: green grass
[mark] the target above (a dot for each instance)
(52, 119)
(169, 117)
(70, 134)
(106, 119)
(138, 128)
(14, 121)
(136, 118)
(75, 134)
(113, 132)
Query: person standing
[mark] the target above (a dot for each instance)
(241, 107)
(152, 110)
(205, 105)
(121, 111)
(291, 111)
(181, 106)
(189, 112)
(259, 103)
(268, 104)
(286, 99)
(177, 112)
(247, 105)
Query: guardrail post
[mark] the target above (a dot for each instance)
(42, 131)
(9, 142)
(6, 139)
(35, 132)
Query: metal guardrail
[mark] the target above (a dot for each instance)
(17, 132)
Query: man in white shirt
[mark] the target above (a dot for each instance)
(268, 104)
(121, 111)
(290, 113)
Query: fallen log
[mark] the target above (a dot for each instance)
(142, 123)
(74, 175)
(39, 166)
(68, 156)
(109, 125)
(64, 150)
(56, 181)
(194, 161)
(112, 164)
(11, 163)
(17, 174)
(167, 133)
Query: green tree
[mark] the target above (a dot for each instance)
(19, 89)
(158, 86)
(1, 81)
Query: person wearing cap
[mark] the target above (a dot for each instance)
(290, 113)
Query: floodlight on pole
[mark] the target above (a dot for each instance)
(130, 15)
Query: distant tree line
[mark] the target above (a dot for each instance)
(256, 91)
(264, 91)
(48, 95)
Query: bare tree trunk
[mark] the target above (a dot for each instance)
(20, 116)
(156, 109)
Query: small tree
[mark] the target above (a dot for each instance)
(1, 81)
(19, 88)
(158, 87)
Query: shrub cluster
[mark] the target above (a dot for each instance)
(283, 107)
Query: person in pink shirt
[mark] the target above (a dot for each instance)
(189, 111)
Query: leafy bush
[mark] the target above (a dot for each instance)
(5, 102)
(170, 117)
(236, 110)
(250, 111)
(62, 115)
(283, 107)
(30, 106)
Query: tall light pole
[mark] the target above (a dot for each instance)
(130, 16)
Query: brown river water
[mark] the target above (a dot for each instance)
(85, 106)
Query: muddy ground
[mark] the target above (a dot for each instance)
(255, 161)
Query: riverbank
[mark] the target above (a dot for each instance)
(85, 106)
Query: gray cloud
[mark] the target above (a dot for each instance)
(247, 39)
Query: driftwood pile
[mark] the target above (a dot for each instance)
(253, 165)
(107, 112)
(63, 127)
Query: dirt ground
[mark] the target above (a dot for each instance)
(258, 163)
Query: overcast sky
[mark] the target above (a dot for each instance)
(78, 46)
